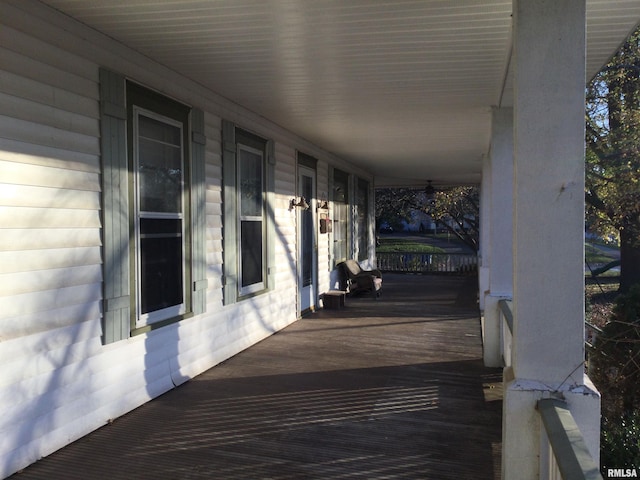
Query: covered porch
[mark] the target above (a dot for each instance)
(377, 93)
(394, 388)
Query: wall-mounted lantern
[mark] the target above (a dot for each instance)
(298, 203)
(323, 204)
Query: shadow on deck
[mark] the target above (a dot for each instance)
(393, 389)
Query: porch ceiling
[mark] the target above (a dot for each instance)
(403, 88)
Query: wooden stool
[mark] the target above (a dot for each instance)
(333, 299)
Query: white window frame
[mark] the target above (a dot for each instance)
(362, 227)
(258, 286)
(342, 218)
(143, 319)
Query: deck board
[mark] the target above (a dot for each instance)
(383, 389)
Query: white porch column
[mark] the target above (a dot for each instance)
(548, 228)
(501, 232)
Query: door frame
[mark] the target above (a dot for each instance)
(305, 169)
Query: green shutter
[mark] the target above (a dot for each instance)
(271, 214)
(116, 320)
(332, 199)
(198, 212)
(229, 237)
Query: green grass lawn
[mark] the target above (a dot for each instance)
(594, 255)
(391, 245)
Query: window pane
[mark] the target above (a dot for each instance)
(307, 230)
(250, 177)
(160, 169)
(251, 252)
(158, 131)
(160, 264)
(340, 214)
(362, 206)
(340, 232)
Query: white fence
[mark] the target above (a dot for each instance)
(408, 262)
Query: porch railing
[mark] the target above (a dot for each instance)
(506, 330)
(568, 456)
(407, 262)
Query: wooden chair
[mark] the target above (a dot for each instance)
(359, 280)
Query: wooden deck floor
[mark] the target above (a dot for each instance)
(386, 389)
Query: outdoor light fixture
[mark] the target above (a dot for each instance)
(301, 203)
(323, 204)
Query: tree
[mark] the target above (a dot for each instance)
(453, 208)
(613, 155)
(614, 366)
(457, 209)
(393, 205)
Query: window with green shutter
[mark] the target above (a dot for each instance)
(249, 231)
(362, 218)
(341, 213)
(153, 208)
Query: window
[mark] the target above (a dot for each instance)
(158, 214)
(249, 231)
(251, 241)
(340, 216)
(153, 208)
(362, 219)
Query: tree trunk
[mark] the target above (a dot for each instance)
(629, 260)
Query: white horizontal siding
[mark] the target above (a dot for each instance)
(47, 413)
(21, 108)
(50, 358)
(39, 134)
(286, 230)
(56, 258)
(27, 66)
(284, 181)
(213, 172)
(17, 240)
(45, 301)
(45, 94)
(33, 154)
(27, 196)
(62, 382)
(42, 280)
(25, 43)
(34, 322)
(29, 217)
(50, 275)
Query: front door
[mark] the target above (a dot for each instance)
(307, 262)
